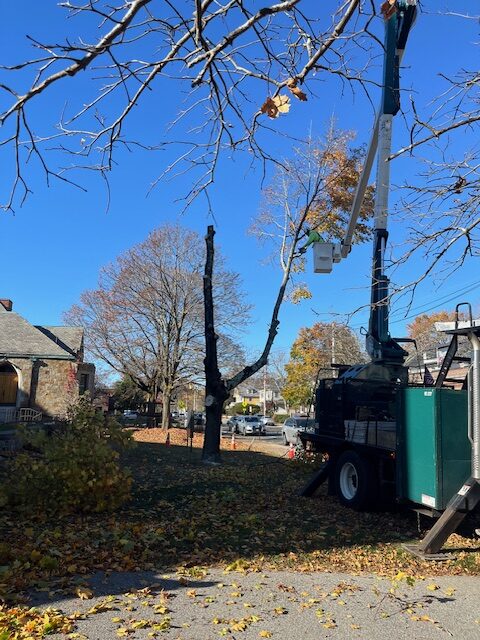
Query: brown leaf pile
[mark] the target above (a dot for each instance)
(178, 437)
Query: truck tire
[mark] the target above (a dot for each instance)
(355, 481)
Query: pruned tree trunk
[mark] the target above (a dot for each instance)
(215, 390)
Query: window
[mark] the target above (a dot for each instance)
(83, 385)
(303, 423)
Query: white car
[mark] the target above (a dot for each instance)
(250, 424)
(292, 426)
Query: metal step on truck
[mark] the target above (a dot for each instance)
(385, 439)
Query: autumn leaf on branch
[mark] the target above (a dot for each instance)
(300, 293)
(292, 84)
(273, 107)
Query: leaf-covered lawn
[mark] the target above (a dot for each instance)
(244, 515)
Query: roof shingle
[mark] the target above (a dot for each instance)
(20, 338)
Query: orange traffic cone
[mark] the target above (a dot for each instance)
(167, 441)
(291, 452)
(233, 444)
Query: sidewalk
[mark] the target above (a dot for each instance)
(279, 605)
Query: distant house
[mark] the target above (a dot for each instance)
(250, 395)
(421, 365)
(41, 367)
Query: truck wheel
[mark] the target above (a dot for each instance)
(354, 481)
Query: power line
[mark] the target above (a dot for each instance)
(436, 306)
(444, 299)
(423, 308)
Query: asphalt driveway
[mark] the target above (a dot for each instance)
(283, 605)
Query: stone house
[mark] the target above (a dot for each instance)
(41, 367)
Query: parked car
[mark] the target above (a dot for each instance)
(176, 419)
(292, 426)
(266, 421)
(232, 424)
(250, 424)
(199, 419)
(130, 414)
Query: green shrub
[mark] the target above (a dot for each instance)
(280, 418)
(239, 409)
(74, 468)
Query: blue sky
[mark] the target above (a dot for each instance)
(54, 246)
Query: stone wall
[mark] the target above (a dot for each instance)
(48, 385)
(56, 387)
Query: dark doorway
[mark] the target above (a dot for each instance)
(8, 384)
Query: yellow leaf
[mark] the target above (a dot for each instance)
(122, 632)
(83, 593)
(330, 625)
(265, 634)
(282, 102)
(140, 624)
(433, 587)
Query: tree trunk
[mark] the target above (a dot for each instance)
(167, 400)
(215, 390)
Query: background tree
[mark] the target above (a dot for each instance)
(145, 320)
(311, 358)
(326, 173)
(127, 395)
(423, 331)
